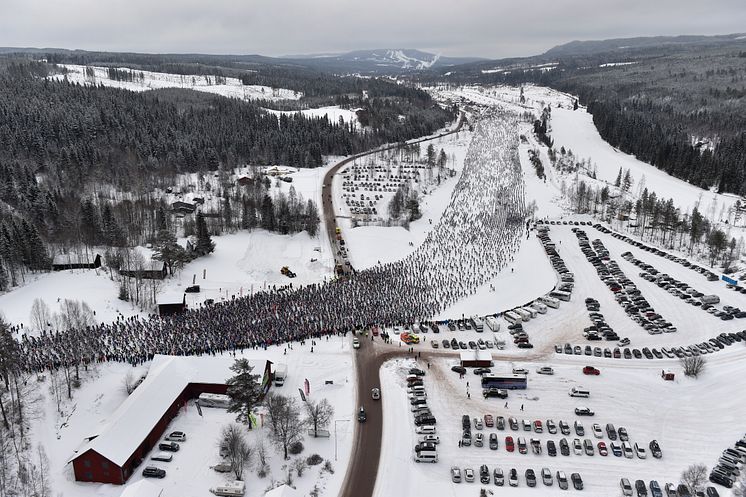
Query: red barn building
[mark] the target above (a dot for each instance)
(112, 455)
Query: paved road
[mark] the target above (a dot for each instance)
(327, 203)
(360, 479)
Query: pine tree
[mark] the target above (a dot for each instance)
(244, 390)
(168, 251)
(205, 245)
(268, 214)
(311, 219)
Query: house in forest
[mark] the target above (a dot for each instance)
(153, 270)
(61, 262)
(180, 207)
(171, 303)
(113, 454)
(244, 181)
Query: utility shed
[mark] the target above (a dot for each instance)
(61, 262)
(114, 453)
(476, 358)
(170, 303)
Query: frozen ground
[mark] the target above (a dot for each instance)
(188, 475)
(233, 87)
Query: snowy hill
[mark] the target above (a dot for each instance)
(384, 60)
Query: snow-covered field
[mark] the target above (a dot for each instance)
(232, 88)
(188, 475)
(334, 113)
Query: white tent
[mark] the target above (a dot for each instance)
(283, 491)
(142, 488)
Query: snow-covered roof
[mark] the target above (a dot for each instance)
(283, 491)
(142, 488)
(74, 258)
(147, 266)
(475, 355)
(173, 297)
(139, 413)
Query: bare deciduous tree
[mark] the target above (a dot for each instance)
(695, 477)
(693, 366)
(319, 415)
(288, 425)
(236, 449)
(275, 403)
(41, 317)
(128, 382)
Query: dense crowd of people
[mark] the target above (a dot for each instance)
(477, 237)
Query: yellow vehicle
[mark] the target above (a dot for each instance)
(337, 230)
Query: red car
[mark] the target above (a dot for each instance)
(591, 370)
(509, 445)
(602, 450)
(489, 421)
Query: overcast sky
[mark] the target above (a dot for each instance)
(486, 28)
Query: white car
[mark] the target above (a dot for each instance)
(455, 475)
(176, 436)
(627, 450)
(545, 370)
(355, 343)
(577, 447)
(162, 456)
(597, 431)
(375, 393)
(429, 438)
(469, 474)
(640, 451)
(520, 371)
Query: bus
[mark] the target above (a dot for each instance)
(214, 400)
(559, 294)
(511, 317)
(508, 381)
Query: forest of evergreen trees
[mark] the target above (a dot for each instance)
(59, 142)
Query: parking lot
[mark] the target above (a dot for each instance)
(626, 393)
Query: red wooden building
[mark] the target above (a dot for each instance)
(113, 454)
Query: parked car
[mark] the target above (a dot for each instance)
(584, 411)
(577, 481)
(562, 480)
(545, 370)
(498, 477)
(153, 472)
(176, 436)
(469, 475)
(530, 477)
(484, 474)
(509, 444)
(546, 477)
(602, 450)
(493, 441)
(162, 456)
(513, 478)
(564, 447)
(655, 449)
(641, 489)
(626, 487)
(590, 370)
(169, 446)
(455, 474)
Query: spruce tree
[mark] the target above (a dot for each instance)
(244, 390)
(618, 180)
(205, 245)
(312, 219)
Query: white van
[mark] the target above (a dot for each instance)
(426, 456)
(530, 310)
(511, 317)
(580, 392)
(561, 295)
(425, 430)
(230, 489)
(550, 301)
(525, 315)
(492, 323)
(539, 307)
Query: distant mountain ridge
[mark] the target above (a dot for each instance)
(382, 60)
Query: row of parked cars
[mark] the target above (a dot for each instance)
(685, 292)
(653, 250)
(599, 328)
(166, 449)
(498, 477)
(672, 490)
(707, 347)
(427, 441)
(730, 464)
(625, 291)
